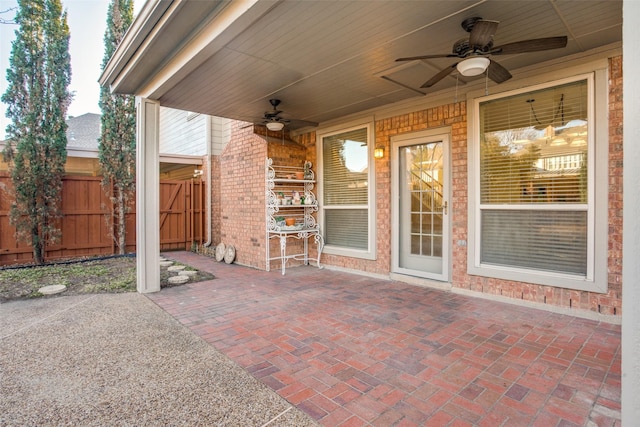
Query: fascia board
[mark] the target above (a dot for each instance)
(227, 22)
(149, 15)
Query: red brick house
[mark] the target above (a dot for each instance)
(506, 184)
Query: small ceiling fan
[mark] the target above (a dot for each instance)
(475, 51)
(274, 121)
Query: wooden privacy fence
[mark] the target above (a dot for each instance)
(86, 220)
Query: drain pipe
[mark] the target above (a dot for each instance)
(207, 138)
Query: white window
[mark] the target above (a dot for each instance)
(346, 191)
(534, 188)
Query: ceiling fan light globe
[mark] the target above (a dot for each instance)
(275, 126)
(473, 66)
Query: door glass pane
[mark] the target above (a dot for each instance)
(437, 246)
(426, 245)
(415, 223)
(427, 223)
(422, 174)
(415, 244)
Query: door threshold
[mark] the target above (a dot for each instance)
(420, 281)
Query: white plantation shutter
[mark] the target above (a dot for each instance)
(534, 180)
(345, 187)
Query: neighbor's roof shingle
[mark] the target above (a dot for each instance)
(83, 131)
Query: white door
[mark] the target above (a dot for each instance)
(421, 220)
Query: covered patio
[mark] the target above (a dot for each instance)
(352, 350)
(316, 334)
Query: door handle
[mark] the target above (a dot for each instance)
(445, 207)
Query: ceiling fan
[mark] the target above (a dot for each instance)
(475, 51)
(272, 119)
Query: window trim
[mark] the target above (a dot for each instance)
(370, 252)
(597, 222)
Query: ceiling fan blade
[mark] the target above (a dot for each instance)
(413, 58)
(482, 33)
(498, 73)
(441, 75)
(295, 123)
(533, 45)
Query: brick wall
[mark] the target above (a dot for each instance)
(455, 116)
(241, 195)
(242, 201)
(611, 303)
(216, 209)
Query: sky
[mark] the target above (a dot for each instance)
(87, 22)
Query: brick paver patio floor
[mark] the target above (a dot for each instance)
(351, 350)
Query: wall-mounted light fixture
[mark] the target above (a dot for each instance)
(378, 152)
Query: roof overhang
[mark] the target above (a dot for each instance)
(328, 59)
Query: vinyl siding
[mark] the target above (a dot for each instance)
(182, 132)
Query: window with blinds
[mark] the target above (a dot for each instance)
(534, 179)
(345, 189)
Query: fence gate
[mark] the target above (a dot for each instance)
(181, 214)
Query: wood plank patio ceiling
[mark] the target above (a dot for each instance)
(326, 59)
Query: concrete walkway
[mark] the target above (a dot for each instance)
(351, 350)
(119, 360)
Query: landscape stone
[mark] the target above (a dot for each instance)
(52, 289)
(188, 273)
(175, 280)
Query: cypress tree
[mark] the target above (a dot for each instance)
(117, 148)
(37, 99)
